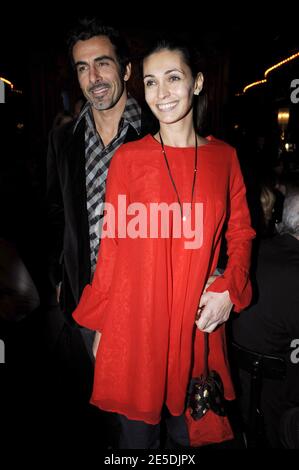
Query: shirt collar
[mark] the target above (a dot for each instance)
(131, 114)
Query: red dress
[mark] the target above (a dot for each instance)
(146, 291)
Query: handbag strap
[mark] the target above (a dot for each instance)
(206, 355)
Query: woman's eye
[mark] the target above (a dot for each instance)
(149, 83)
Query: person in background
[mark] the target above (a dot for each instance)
(61, 118)
(270, 324)
(267, 200)
(79, 103)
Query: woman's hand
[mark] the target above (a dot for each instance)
(96, 343)
(209, 282)
(214, 309)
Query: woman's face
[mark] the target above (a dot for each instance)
(169, 85)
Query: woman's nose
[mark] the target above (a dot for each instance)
(163, 91)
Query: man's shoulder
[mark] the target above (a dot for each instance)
(66, 132)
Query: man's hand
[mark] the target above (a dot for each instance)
(214, 309)
(96, 343)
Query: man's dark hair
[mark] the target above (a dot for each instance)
(88, 28)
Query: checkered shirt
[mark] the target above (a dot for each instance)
(97, 161)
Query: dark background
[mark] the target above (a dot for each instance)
(239, 45)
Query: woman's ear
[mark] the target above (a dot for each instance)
(198, 83)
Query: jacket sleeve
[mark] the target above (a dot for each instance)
(55, 214)
(239, 235)
(92, 309)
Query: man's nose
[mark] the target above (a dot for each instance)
(94, 74)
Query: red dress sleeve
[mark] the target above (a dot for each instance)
(239, 235)
(92, 309)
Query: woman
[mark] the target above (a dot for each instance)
(148, 289)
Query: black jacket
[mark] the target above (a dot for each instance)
(271, 324)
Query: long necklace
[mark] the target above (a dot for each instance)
(184, 217)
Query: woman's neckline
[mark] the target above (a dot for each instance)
(200, 146)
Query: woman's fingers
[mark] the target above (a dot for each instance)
(214, 309)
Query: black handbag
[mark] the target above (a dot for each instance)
(206, 392)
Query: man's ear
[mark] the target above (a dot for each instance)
(128, 72)
(198, 83)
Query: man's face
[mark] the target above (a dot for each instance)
(99, 72)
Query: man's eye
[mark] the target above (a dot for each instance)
(174, 78)
(81, 68)
(103, 64)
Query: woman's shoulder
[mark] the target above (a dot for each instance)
(143, 143)
(217, 144)
(130, 154)
(219, 149)
(130, 151)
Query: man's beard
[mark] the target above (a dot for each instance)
(98, 102)
(103, 102)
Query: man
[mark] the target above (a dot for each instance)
(271, 325)
(80, 153)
